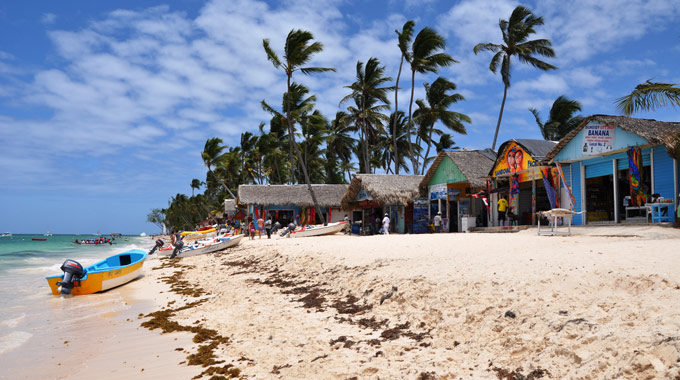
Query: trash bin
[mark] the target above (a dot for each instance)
(466, 222)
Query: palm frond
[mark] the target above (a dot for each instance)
(649, 96)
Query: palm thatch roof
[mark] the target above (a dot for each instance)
(230, 205)
(656, 132)
(383, 188)
(474, 165)
(298, 195)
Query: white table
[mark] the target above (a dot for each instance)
(552, 215)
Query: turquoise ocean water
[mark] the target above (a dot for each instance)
(30, 316)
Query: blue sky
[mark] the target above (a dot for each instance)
(105, 106)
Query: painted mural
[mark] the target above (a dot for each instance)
(515, 159)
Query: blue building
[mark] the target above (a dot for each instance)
(595, 161)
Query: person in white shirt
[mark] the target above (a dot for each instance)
(437, 221)
(386, 225)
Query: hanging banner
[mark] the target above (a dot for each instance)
(420, 208)
(437, 191)
(598, 138)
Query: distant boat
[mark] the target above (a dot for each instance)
(48, 233)
(6, 234)
(39, 239)
(106, 274)
(143, 234)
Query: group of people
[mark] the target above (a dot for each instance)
(263, 225)
(101, 240)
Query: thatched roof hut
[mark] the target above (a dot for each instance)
(474, 165)
(280, 195)
(656, 132)
(383, 188)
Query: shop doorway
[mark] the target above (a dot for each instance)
(453, 219)
(600, 199)
(282, 216)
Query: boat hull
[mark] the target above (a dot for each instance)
(330, 229)
(224, 244)
(103, 276)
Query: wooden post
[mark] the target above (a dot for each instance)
(615, 172)
(533, 199)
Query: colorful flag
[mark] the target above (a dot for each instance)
(572, 200)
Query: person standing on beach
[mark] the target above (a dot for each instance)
(268, 227)
(386, 225)
(251, 229)
(437, 221)
(502, 208)
(260, 227)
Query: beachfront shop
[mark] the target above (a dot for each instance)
(620, 169)
(521, 173)
(286, 203)
(370, 196)
(452, 186)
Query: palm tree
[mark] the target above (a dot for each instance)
(649, 96)
(398, 119)
(425, 57)
(404, 42)
(297, 52)
(195, 184)
(445, 142)
(516, 32)
(370, 99)
(561, 120)
(436, 109)
(212, 156)
(339, 146)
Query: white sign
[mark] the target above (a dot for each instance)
(598, 138)
(438, 191)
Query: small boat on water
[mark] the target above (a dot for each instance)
(311, 230)
(6, 234)
(48, 233)
(113, 271)
(38, 239)
(200, 247)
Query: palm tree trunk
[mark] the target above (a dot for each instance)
(427, 152)
(367, 162)
(299, 155)
(222, 183)
(414, 160)
(394, 123)
(500, 116)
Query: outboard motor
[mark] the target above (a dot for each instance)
(73, 272)
(159, 245)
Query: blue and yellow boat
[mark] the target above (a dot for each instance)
(103, 275)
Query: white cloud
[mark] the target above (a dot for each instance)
(48, 18)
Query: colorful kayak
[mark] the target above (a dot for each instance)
(103, 275)
(185, 233)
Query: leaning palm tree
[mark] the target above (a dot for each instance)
(404, 45)
(561, 120)
(516, 32)
(297, 52)
(426, 56)
(370, 98)
(212, 156)
(649, 96)
(437, 110)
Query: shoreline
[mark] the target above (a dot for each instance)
(598, 304)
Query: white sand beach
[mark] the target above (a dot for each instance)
(601, 304)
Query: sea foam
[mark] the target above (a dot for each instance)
(13, 340)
